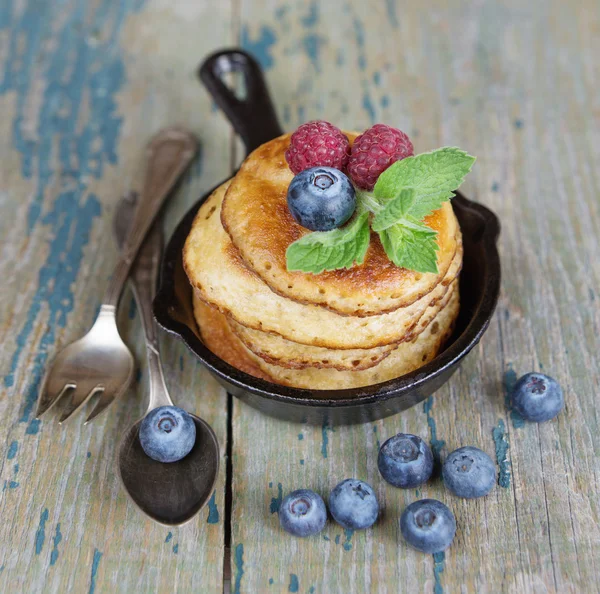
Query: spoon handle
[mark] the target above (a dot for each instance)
(168, 155)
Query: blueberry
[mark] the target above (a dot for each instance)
(353, 504)
(405, 461)
(167, 434)
(428, 525)
(468, 472)
(302, 513)
(537, 397)
(321, 198)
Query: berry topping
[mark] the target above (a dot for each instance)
(405, 461)
(374, 151)
(428, 525)
(302, 513)
(468, 472)
(167, 434)
(315, 144)
(321, 198)
(538, 397)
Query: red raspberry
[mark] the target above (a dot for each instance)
(374, 151)
(317, 144)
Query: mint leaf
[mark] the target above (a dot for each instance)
(411, 247)
(434, 176)
(330, 250)
(395, 210)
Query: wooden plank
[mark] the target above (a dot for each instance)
(85, 85)
(513, 84)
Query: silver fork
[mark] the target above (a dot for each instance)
(100, 362)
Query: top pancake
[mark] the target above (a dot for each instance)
(256, 216)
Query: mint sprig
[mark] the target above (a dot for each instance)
(330, 250)
(405, 193)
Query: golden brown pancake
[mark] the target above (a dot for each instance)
(220, 277)
(220, 339)
(256, 216)
(406, 358)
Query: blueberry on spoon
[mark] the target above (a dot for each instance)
(167, 434)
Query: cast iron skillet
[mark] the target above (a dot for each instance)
(254, 119)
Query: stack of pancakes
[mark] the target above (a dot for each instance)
(339, 329)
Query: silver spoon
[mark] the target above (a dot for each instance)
(171, 494)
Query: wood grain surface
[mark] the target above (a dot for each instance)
(85, 84)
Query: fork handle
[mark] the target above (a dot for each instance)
(168, 155)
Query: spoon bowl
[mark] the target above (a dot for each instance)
(171, 494)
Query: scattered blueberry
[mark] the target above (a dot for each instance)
(468, 472)
(537, 397)
(321, 198)
(167, 434)
(302, 513)
(428, 525)
(353, 504)
(405, 461)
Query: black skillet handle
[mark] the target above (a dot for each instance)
(253, 117)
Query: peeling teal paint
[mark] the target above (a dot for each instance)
(348, 544)
(501, 442)
(436, 444)
(12, 450)
(377, 78)
(34, 425)
(13, 484)
(260, 48)
(337, 539)
(300, 436)
(276, 501)
(359, 37)
(270, 581)
(325, 438)
(376, 436)
(239, 568)
(89, 454)
(312, 45)
(169, 537)
(384, 101)
(40, 535)
(510, 379)
(439, 564)
(312, 18)
(302, 461)
(293, 587)
(311, 590)
(213, 511)
(391, 12)
(55, 541)
(325, 537)
(95, 563)
(369, 107)
(66, 153)
(16, 468)
(495, 187)
(176, 548)
(519, 123)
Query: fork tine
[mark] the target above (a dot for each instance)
(78, 399)
(49, 397)
(105, 400)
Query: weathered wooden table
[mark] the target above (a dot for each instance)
(84, 84)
